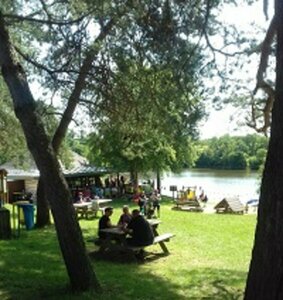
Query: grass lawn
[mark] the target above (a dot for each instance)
(209, 260)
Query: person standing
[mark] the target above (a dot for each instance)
(142, 202)
(155, 199)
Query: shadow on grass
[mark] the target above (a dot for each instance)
(29, 264)
(31, 267)
(133, 282)
(209, 283)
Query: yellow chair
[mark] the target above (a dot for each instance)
(21, 216)
(191, 195)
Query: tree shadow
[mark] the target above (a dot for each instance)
(31, 267)
(213, 283)
(203, 283)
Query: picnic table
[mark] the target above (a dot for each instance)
(87, 208)
(116, 239)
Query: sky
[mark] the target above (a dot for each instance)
(226, 120)
(221, 122)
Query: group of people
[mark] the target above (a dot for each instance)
(149, 205)
(134, 224)
(95, 188)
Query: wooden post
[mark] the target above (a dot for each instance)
(5, 225)
(3, 186)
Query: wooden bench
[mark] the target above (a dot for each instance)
(97, 205)
(160, 239)
(163, 238)
(189, 205)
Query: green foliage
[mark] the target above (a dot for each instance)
(12, 146)
(147, 103)
(145, 120)
(76, 144)
(233, 152)
(158, 38)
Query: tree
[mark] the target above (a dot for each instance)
(237, 48)
(72, 57)
(266, 268)
(148, 123)
(78, 265)
(147, 103)
(69, 60)
(63, 34)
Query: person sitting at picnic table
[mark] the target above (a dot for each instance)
(140, 230)
(78, 196)
(105, 222)
(125, 218)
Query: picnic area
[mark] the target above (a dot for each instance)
(208, 259)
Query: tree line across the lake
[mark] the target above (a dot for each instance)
(225, 152)
(232, 152)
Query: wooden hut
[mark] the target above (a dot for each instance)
(230, 205)
(20, 181)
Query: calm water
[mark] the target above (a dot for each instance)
(216, 183)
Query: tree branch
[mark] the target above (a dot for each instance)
(265, 52)
(35, 63)
(202, 32)
(40, 66)
(79, 86)
(265, 8)
(50, 21)
(261, 84)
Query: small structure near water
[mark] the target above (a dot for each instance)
(187, 200)
(230, 205)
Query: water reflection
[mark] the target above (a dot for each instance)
(216, 183)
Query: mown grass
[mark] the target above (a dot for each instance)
(209, 260)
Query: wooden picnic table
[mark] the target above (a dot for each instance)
(82, 208)
(116, 238)
(90, 207)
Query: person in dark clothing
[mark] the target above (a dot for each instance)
(105, 222)
(142, 202)
(140, 230)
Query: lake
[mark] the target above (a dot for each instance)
(217, 184)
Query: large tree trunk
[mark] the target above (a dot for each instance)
(42, 212)
(158, 181)
(265, 278)
(81, 274)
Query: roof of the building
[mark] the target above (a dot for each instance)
(80, 167)
(234, 204)
(84, 170)
(16, 173)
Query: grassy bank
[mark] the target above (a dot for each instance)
(209, 260)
